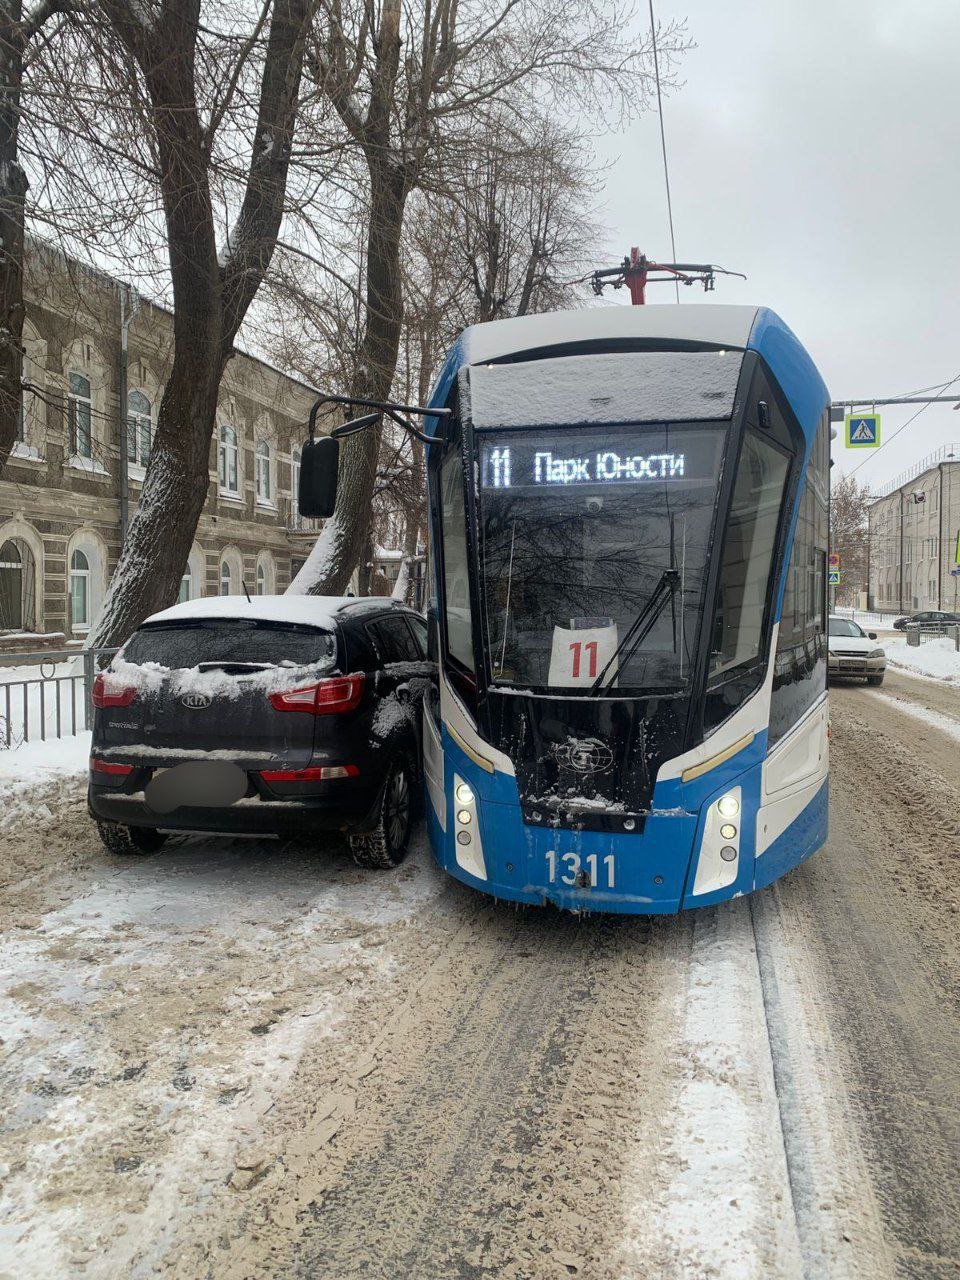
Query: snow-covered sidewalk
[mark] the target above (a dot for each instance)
(933, 659)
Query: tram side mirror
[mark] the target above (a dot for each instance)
(317, 494)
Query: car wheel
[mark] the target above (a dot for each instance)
(386, 845)
(127, 841)
(875, 680)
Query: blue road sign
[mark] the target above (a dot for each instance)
(863, 430)
(955, 573)
(833, 577)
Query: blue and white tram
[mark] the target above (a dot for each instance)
(628, 534)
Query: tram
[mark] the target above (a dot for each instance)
(628, 516)
(629, 536)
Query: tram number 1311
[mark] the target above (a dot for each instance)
(572, 869)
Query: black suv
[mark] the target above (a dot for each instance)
(280, 714)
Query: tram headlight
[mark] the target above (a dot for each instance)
(729, 806)
(463, 815)
(464, 793)
(728, 831)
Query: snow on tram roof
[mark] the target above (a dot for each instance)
(698, 322)
(316, 611)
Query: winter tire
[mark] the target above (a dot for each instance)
(386, 845)
(127, 841)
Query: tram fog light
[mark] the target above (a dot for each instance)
(729, 806)
(728, 853)
(463, 837)
(464, 793)
(463, 816)
(728, 831)
(628, 824)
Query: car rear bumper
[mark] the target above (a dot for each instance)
(253, 815)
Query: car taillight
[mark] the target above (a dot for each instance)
(316, 773)
(326, 697)
(107, 766)
(110, 691)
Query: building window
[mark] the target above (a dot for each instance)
(79, 589)
(262, 473)
(186, 586)
(17, 586)
(139, 428)
(261, 580)
(226, 579)
(229, 461)
(79, 414)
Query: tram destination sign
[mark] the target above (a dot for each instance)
(513, 466)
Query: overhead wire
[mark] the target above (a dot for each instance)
(663, 141)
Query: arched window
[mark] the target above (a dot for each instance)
(229, 460)
(186, 586)
(79, 415)
(79, 589)
(226, 579)
(262, 477)
(261, 580)
(11, 586)
(139, 428)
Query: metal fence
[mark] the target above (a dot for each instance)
(53, 703)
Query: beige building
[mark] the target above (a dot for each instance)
(62, 492)
(913, 526)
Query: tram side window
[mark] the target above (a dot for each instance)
(456, 580)
(749, 545)
(801, 664)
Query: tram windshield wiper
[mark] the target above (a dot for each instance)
(642, 624)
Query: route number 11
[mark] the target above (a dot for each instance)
(576, 648)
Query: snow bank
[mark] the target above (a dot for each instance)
(23, 769)
(934, 659)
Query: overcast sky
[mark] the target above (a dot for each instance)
(815, 146)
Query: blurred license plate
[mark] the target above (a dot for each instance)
(201, 784)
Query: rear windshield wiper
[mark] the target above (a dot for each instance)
(642, 624)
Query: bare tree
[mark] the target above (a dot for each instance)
(163, 50)
(848, 536)
(408, 86)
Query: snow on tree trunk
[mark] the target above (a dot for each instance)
(402, 583)
(333, 560)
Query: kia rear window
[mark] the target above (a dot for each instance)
(230, 640)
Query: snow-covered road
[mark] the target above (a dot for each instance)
(241, 1059)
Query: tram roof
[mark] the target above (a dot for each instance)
(714, 324)
(720, 324)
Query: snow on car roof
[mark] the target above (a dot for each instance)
(316, 611)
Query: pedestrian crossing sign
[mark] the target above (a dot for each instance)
(833, 577)
(863, 430)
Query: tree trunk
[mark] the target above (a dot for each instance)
(333, 559)
(210, 300)
(13, 190)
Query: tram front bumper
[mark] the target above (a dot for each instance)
(630, 872)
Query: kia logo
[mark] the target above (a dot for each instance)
(195, 701)
(584, 755)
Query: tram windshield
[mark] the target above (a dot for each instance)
(578, 530)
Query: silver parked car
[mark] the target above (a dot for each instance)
(851, 651)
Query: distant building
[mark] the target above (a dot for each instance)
(913, 527)
(60, 494)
